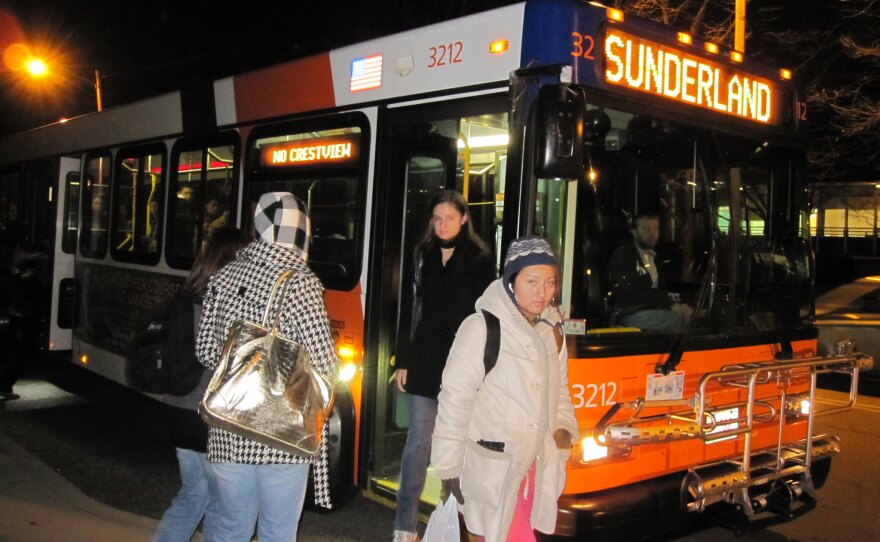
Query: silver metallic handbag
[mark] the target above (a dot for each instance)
(265, 387)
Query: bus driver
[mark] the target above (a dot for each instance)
(637, 296)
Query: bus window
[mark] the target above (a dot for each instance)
(325, 169)
(686, 177)
(95, 205)
(36, 204)
(137, 205)
(202, 199)
(71, 212)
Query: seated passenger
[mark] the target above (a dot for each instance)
(637, 296)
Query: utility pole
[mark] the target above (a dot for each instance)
(98, 88)
(739, 26)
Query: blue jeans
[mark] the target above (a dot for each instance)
(414, 464)
(270, 497)
(194, 500)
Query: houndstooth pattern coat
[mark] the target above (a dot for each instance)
(241, 290)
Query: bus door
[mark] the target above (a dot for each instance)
(461, 147)
(42, 270)
(66, 220)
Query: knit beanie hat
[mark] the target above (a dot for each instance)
(280, 218)
(526, 251)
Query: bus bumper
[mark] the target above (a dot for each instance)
(666, 503)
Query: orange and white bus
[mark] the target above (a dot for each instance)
(553, 117)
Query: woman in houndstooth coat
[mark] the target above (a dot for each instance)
(257, 484)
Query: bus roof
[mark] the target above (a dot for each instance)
(472, 52)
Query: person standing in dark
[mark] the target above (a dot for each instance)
(27, 282)
(453, 267)
(188, 432)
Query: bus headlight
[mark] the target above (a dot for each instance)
(590, 450)
(798, 405)
(347, 372)
(349, 368)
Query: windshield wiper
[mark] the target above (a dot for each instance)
(707, 284)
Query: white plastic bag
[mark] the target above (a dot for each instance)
(443, 523)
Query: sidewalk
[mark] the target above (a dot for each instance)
(37, 504)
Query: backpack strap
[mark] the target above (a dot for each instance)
(493, 341)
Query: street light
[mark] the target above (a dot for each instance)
(37, 68)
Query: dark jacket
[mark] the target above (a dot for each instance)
(630, 283)
(447, 296)
(185, 427)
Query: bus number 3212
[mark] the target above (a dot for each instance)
(593, 395)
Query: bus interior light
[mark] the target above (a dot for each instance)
(499, 46)
(685, 38)
(615, 14)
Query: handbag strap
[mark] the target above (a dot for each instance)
(273, 298)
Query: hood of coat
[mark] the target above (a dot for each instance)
(497, 301)
(273, 255)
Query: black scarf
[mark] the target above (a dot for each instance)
(452, 243)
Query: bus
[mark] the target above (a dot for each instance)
(560, 118)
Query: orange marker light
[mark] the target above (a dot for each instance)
(736, 56)
(711, 48)
(615, 15)
(785, 74)
(84, 359)
(685, 38)
(499, 46)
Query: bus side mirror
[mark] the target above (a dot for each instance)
(560, 123)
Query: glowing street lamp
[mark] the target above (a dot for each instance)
(36, 67)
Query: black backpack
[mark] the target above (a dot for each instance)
(493, 342)
(162, 357)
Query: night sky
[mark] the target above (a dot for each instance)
(147, 47)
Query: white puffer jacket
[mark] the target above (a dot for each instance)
(521, 402)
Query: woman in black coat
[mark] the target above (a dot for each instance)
(453, 267)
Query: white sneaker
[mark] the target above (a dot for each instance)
(405, 536)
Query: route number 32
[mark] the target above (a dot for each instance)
(582, 45)
(593, 395)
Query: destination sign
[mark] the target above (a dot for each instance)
(673, 74)
(328, 150)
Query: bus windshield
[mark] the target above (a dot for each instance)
(731, 213)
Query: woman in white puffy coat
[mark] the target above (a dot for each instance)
(502, 439)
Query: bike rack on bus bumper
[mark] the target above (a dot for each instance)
(783, 472)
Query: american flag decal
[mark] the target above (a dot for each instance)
(366, 73)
